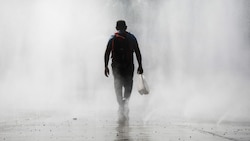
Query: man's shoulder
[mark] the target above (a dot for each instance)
(131, 36)
(111, 37)
(128, 35)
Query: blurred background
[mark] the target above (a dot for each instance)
(196, 56)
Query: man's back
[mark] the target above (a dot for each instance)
(122, 48)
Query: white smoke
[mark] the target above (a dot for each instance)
(195, 55)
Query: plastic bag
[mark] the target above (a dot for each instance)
(142, 85)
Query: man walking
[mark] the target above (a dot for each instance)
(122, 45)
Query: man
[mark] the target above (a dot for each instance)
(122, 45)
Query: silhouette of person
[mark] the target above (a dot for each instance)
(122, 45)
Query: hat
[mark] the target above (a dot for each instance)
(121, 24)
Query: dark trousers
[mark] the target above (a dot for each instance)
(123, 82)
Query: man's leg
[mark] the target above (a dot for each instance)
(127, 93)
(128, 81)
(117, 84)
(118, 91)
(128, 88)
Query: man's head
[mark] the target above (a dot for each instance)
(121, 25)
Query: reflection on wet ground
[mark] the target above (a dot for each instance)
(123, 132)
(61, 127)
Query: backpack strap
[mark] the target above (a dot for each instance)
(117, 35)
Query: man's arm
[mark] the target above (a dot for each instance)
(138, 57)
(106, 57)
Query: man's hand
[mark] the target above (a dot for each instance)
(140, 70)
(106, 72)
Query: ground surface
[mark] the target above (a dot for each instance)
(51, 126)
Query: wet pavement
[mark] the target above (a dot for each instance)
(64, 127)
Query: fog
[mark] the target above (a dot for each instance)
(195, 56)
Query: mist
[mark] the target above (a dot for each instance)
(195, 56)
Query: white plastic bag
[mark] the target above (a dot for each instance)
(142, 85)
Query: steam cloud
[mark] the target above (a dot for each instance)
(195, 55)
